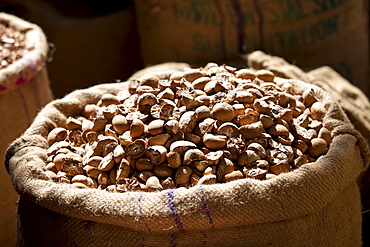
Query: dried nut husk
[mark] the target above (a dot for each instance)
(309, 97)
(136, 149)
(246, 74)
(107, 163)
(143, 164)
(255, 173)
(72, 166)
(192, 74)
(223, 112)
(207, 179)
(244, 97)
(183, 174)
(286, 140)
(153, 184)
(299, 161)
(228, 129)
(202, 112)
(89, 110)
(317, 147)
(92, 171)
(137, 128)
(56, 135)
(258, 149)
(159, 140)
(214, 157)
(167, 93)
(192, 138)
(163, 171)
(123, 170)
(120, 124)
(94, 161)
(205, 126)
(325, 134)
(109, 99)
(51, 167)
(226, 166)
(278, 130)
(267, 121)
(181, 146)
(238, 109)
(200, 82)
(118, 154)
(193, 155)
(110, 111)
(156, 154)
(73, 123)
(144, 175)
(279, 168)
(82, 179)
(105, 142)
(251, 131)
(214, 141)
(265, 75)
(318, 111)
(232, 176)
(174, 159)
(155, 127)
(149, 80)
(188, 121)
(248, 157)
(147, 99)
(262, 106)
(98, 123)
(172, 127)
(250, 116)
(103, 179)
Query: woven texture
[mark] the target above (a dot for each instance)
(317, 204)
(24, 90)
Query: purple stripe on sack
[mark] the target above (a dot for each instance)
(206, 208)
(141, 212)
(172, 205)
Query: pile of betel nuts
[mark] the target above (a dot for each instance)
(12, 45)
(201, 126)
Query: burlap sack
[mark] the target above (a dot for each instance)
(24, 90)
(308, 33)
(353, 101)
(315, 205)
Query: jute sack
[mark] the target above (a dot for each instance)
(315, 205)
(353, 101)
(310, 33)
(24, 90)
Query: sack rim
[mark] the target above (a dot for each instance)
(196, 203)
(24, 69)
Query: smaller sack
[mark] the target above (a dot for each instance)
(24, 90)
